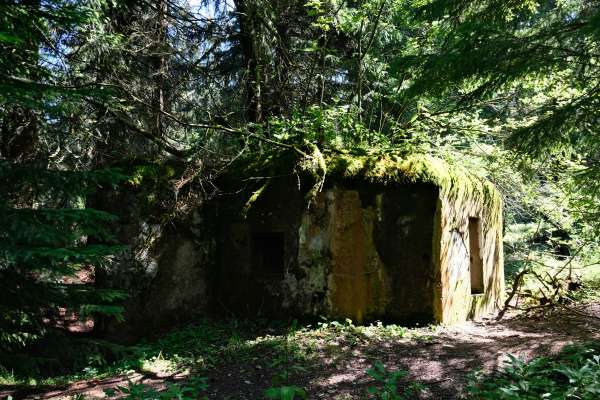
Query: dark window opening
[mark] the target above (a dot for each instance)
(476, 262)
(268, 253)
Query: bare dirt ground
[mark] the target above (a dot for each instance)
(438, 359)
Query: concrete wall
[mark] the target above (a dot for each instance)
(360, 251)
(247, 281)
(165, 269)
(455, 300)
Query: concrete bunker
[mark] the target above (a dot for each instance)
(386, 238)
(383, 237)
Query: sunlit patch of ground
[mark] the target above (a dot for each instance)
(330, 360)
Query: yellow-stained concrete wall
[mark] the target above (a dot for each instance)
(375, 253)
(338, 231)
(452, 293)
(366, 252)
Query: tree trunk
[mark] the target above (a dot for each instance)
(248, 38)
(158, 101)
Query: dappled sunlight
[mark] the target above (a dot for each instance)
(241, 359)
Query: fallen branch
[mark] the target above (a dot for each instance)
(515, 288)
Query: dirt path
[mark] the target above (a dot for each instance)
(438, 359)
(442, 362)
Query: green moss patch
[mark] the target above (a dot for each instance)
(150, 174)
(454, 181)
(381, 168)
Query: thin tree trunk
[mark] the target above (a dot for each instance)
(248, 38)
(159, 68)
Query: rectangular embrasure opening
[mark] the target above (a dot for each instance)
(476, 262)
(268, 249)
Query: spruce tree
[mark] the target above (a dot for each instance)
(47, 234)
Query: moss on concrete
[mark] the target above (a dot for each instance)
(389, 169)
(456, 184)
(151, 185)
(150, 174)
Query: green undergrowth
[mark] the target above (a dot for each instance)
(288, 351)
(200, 347)
(574, 374)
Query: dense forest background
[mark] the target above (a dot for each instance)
(508, 89)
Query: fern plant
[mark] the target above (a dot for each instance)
(574, 374)
(285, 393)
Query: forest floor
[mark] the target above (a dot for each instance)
(330, 360)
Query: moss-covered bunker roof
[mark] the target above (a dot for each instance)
(387, 169)
(453, 180)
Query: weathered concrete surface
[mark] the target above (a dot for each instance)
(181, 287)
(454, 301)
(166, 266)
(404, 237)
(357, 276)
(362, 253)
(379, 241)
(247, 282)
